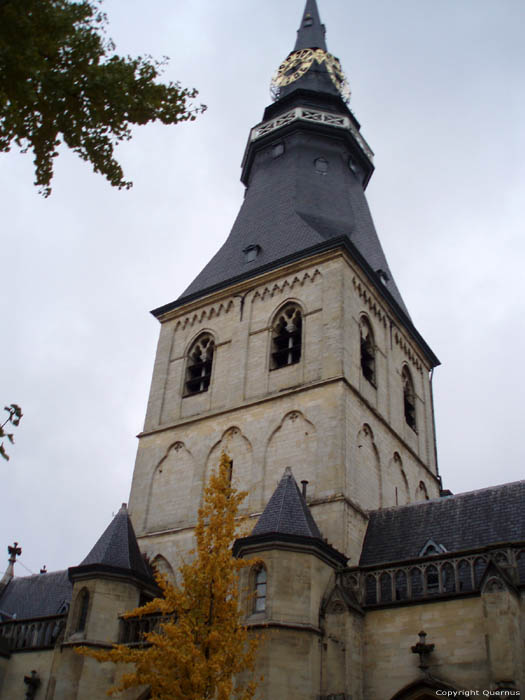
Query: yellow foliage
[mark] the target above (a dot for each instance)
(202, 644)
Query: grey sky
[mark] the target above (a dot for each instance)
(438, 89)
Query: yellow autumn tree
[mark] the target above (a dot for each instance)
(201, 644)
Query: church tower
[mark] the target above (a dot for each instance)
(293, 346)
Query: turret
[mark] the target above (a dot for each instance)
(113, 579)
(295, 566)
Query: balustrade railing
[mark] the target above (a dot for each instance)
(311, 115)
(38, 633)
(133, 630)
(435, 576)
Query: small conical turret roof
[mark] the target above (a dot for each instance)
(311, 33)
(117, 549)
(287, 512)
(287, 522)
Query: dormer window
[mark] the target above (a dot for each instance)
(251, 252)
(199, 365)
(277, 149)
(321, 166)
(431, 548)
(383, 276)
(368, 352)
(287, 337)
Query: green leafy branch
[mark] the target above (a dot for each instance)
(61, 82)
(14, 417)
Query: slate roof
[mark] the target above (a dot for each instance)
(465, 521)
(36, 596)
(288, 211)
(310, 34)
(287, 521)
(291, 212)
(286, 512)
(117, 548)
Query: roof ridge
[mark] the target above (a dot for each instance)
(445, 499)
(47, 573)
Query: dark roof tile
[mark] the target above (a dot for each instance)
(465, 521)
(117, 547)
(36, 596)
(286, 512)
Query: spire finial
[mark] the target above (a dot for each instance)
(310, 34)
(14, 552)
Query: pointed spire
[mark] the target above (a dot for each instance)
(286, 512)
(311, 33)
(287, 521)
(117, 549)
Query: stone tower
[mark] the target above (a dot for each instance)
(293, 352)
(293, 346)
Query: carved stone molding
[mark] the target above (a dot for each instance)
(287, 284)
(401, 342)
(370, 301)
(204, 314)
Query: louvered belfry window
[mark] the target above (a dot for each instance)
(199, 365)
(409, 398)
(368, 353)
(287, 337)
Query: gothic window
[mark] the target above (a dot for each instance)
(260, 590)
(422, 493)
(199, 364)
(368, 353)
(370, 590)
(401, 585)
(286, 337)
(82, 610)
(432, 580)
(409, 398)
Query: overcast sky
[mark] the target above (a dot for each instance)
(438, 87)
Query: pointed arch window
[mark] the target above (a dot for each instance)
(82, 610)
(409, 398)
(287, 337)
(368, 351)
(199, 365)
(260, 581)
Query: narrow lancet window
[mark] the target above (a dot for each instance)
(287, 337)
(82, 610)
(260, 590)
(368, 352)
(199, 364)
(409, 398)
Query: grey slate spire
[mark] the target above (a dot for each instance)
(116, 550)
(311, 33)
(305, 179)
(287, 512)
